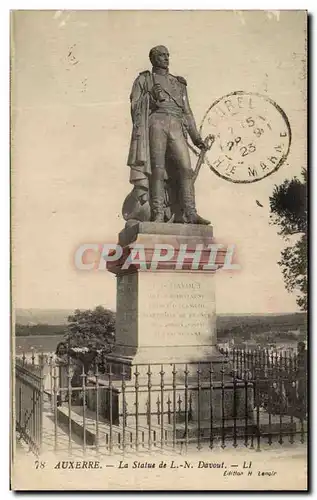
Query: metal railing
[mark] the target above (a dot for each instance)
(28, 402)
(236, 400)
(281, 377)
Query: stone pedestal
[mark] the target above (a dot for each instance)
(167, 314)
(166, 358)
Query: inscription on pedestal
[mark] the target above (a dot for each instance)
(176, 309)
(166, 309)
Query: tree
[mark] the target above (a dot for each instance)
(288, 205)
(94, 329)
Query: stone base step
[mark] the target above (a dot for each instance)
(115, 435)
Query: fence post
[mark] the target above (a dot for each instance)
(96, 402)
(235, 404)
(162, 405)
(257, 397)
(223, 435)
(302, 373)
(187, 408)
(124, 411)
(302, 384)
(51, 380)
(149, 416)
(41, 402)
(83, 386)
(174, 406)
(199, 407)
(69, 391)
(211, 437)
(136, 386)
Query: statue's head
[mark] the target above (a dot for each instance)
(159, 57)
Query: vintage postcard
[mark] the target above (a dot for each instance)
(159, 250)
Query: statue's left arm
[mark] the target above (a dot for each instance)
(190, 120)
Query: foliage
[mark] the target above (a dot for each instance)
(294, 269)
(288, 205)
(94, 329)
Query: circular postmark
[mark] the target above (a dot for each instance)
(252, 136)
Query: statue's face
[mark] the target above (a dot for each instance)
(162, 57)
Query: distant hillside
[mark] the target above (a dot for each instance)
(268, 327)
(39, 330)
(259, 328)
(42, 316)
(224, 321)
(287, 320)
(47, 343)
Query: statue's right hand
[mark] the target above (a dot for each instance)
(157, 87)
(158, 92)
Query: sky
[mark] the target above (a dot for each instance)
(72, 73)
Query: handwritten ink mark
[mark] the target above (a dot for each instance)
(70, 56)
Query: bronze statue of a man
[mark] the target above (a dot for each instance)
(159, 157)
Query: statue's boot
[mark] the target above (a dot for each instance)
(188, 198)
(157, 194)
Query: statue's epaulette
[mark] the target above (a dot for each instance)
(181, 79)
(145, 73)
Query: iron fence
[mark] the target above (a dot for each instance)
(28, 402)
(243, 398)
(280, 377)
